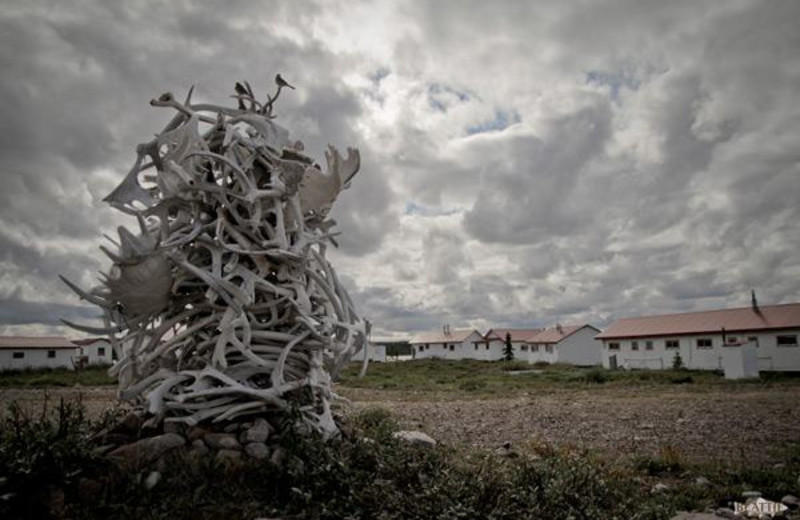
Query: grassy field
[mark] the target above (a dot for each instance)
(61, 377)
(501, 379)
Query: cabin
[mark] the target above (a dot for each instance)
(701, 339)
(25, 352)
(573, 344)
(448, 344)
(495, 343)
(95, 351)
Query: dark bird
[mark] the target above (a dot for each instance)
(282, 82)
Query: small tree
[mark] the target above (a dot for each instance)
(508, 349)
(677, 362)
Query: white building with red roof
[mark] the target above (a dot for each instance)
(448, 344)
(573, 344)
(701, 338)
(25, 352)
(494, 346)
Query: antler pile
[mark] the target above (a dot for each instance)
(224, 304)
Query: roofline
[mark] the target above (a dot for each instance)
(695, 333)
(412, 342)
(562, 338)
(706, 311)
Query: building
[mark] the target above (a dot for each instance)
(21, 352)
(573, 344)
(449, 344)
(701, 338)
(95, 351)
(495, 343)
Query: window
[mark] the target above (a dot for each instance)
(524, 348)
(452, 347)
(634, 345)
(18, 355)
(549, 349)
(421, 348)
(476, 346)
(613, 346)
(487, 346)
(444, 346)
(427, 346)
(534, 348)
(752, 339)
(648, 345)
(101, 351)
(51, 354)
(731, 340)
(786, 341)
(704, 343)
(672, 343)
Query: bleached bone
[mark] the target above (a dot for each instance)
(223, 305)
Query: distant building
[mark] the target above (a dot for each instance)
(22, 352)
(573, 344)
(701, 338)
(447, 344)
(495, 343)
(97, 351)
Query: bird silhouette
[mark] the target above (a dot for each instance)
(282, 82)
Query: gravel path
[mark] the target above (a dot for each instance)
(754, 423)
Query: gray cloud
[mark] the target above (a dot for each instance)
(522, 163)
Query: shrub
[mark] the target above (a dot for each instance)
(677, 362)
(594, 375)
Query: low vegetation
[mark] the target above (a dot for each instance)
(49, 468)
(508, 378)
(55, 377)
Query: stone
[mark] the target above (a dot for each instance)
(257, 450)
(222, 441)
(118, 439)
(152, 479)
(232, 428)
(726, 512)
(414, 437)
(792, 501)
(702, 481)
(259, 432)
(174, 427)
(129, 424)
(195, 432)
(228, 457)
(659, 488)
(278, 456)
(146, 450)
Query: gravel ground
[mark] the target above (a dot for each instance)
(756, 424)
(731, 424)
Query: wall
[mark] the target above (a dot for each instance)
(770, 356)
(36, 358)
(93, 351)
(462, 350)
(580, 348)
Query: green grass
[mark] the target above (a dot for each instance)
(55, 377)
(483, 378)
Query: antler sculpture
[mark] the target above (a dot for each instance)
(223, 305)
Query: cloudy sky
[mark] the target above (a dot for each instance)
(523, 163)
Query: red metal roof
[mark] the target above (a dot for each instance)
(516, 334)
(88, 341)
(556, 334)
(23, 342)
(767, 317)
(455, 336)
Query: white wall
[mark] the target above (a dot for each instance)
(376, 352)
(770, 356)
(98, 352)
(580, 348)
(460, 350)
(36, 358)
